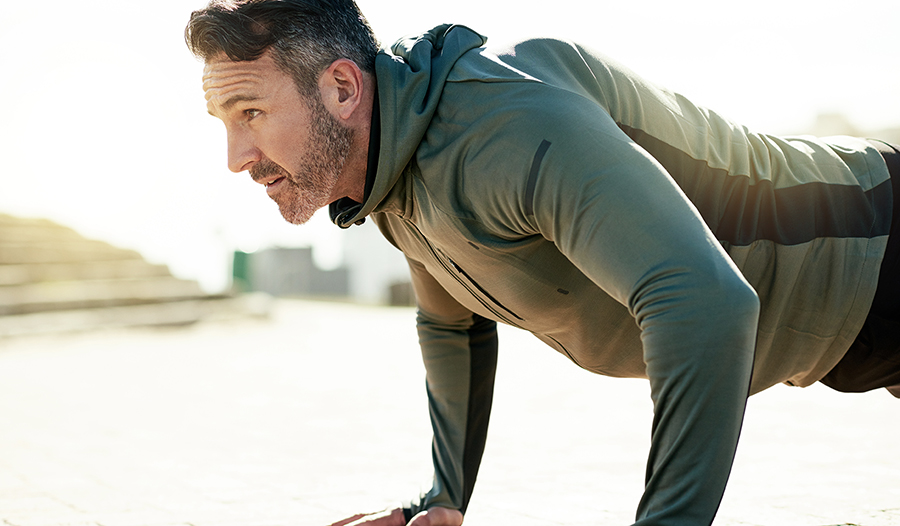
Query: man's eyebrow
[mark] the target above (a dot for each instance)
(227, 105)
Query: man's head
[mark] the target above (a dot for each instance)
(292, 81)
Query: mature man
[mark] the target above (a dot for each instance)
(546, 187)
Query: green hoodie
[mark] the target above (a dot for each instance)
(546, 187)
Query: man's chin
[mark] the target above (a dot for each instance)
(296, 216)
(297, 205)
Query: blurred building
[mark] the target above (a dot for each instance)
(378, 270)
(288, 272)
(373, 271)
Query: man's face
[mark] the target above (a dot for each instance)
(289, 143)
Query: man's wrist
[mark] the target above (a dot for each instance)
(399, 516)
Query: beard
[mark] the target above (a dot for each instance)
(313, 180)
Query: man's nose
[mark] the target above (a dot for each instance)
(242, 152)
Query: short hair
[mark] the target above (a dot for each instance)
(306, 36)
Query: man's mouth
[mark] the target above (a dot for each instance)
(272, 186)
(268, 174)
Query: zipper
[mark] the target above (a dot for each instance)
(563, 348)
(480, 289)
(467, 281)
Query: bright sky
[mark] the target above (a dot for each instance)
(107, 131)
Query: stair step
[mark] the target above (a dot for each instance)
(113, 269)
(75, 250)
(64, 295)
(52, 279)
(24, 230)
(150, 315)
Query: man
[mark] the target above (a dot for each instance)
(549, 188)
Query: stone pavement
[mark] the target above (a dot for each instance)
(319, 412)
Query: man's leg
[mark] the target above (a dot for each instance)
(873, 361)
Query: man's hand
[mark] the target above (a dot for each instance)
(432, 517)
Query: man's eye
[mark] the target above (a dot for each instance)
(252, 113)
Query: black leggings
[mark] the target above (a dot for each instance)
(873, 359)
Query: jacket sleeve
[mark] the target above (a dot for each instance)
(459, 350)
(620, 217)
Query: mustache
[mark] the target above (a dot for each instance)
(265, 169)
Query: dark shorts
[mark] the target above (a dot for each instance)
(873, 360)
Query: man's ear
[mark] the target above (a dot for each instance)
(341, 87)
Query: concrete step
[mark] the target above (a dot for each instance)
(63, 251)
(54, 280)
(173, 313)
(113, 269)
(64, 295)
(35, 231)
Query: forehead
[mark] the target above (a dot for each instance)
(226, 81)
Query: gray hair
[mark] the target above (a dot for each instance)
(306, 36)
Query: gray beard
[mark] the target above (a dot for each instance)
(310, 187)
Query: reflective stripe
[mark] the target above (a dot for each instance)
(740, 213)
(482, 369)
(532, 177)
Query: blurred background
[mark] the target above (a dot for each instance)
(106, 130)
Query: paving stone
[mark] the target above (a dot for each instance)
(319, 412)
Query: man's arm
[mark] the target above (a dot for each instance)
(459, 350)
(618, 216)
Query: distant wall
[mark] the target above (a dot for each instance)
(288, 272)
(379, 273)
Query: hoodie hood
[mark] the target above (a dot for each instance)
(410, 78)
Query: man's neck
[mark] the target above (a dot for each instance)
(352, 183)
